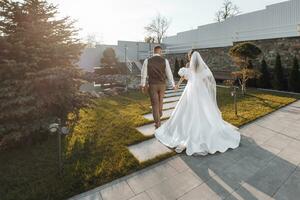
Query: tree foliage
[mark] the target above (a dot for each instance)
(280, 82)
(109, 58)
(242, 55)
(265, 79)
(294, 79)
(38, 78)
(158, 28)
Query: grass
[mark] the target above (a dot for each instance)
(96, 151)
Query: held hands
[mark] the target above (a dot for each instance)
(144, 89)
(176, 87)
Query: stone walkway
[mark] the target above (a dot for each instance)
(264, 167)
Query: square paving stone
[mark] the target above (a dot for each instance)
(248, 192)
(292, 131)
(278, 141)
(148, 150)
(174, 187)
(270, 178)
(118, 191)
(142, 196)
(151, 177)
(214, 189)
(291, 189)
(178, 164)
(273, 123)
(290, 154)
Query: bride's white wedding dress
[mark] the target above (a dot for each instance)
(196, 123)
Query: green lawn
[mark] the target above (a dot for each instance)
(96, 152)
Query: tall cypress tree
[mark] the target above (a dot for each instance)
(294, 79)
(279, 78)
(265, 78)
(38, 78)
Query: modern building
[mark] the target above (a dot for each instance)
(279, 20)
(276, 29)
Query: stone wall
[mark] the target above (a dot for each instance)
(219, 60)
(286, 47)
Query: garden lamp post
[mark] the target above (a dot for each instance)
(60, 130)
(126, 81)
(234, 95)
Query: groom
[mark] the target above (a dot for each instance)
(158, 70)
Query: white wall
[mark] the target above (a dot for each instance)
(276, 21)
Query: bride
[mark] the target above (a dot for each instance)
(196, 123)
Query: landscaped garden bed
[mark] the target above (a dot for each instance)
(96, 151)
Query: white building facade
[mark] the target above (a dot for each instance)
(281, 20)
(276, 21)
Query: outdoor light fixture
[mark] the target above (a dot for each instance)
(298, 28)
(53, 128)
(61, 130)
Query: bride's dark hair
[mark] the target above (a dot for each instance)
(190, 53)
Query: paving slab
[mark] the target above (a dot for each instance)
(270, 178)
(174, 187)
(147, 179)
(248, 192)
(118, 191)
(148, 150)
(258, 133)
(291, 189)
(290, 154)
(166, 114)
(178, 164)
(142, 196)
(214, 189)
(279, 141)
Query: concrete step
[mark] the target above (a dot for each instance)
(148, 129)
(171, 90)
(171, 99)
(168, 106)
(172, 94)
(166, 114)
(148, 150)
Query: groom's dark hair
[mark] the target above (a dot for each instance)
(156, 48)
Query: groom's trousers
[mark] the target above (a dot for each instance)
(157, 92)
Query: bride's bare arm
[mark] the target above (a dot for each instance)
(179, 82)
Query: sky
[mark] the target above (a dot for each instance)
(113, 20)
